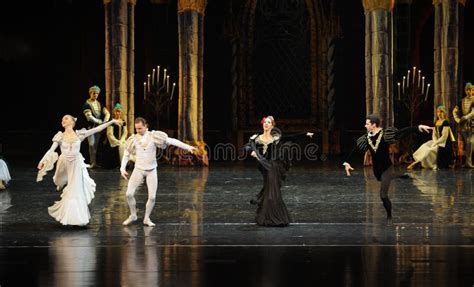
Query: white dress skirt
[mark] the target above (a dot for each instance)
(427, 155)
(73, 178)
(4, 173)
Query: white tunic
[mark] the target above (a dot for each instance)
(144, 148)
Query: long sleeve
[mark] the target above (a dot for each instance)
(96, 129)
(444, 136)
(106, 114)
(123, 138)
(48, 160)
(349, 155)
(53, 147)
(441, 141)
(292, 137)
(401, 133)
(456, 116)
(90, 117)
(177, 143)
(113, 141)
(470, 115)
(361, 144)
(126, 157)
(251, 146)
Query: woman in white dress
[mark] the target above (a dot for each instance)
(71, 173)
(4, 174)
(438, 152)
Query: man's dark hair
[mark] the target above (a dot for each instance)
(141, 120)
(374, 119)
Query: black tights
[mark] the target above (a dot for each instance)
(385, 181)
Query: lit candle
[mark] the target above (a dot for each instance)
(427, 91)
(164, 77)
(158, 76)
(172, 91)
(398, 84)
(148, 82)
(408, 79)
(167, 84)
(144, 90)
(153, 77)
(419, 77)
(403, 86)
(422, 85)
(414, 70)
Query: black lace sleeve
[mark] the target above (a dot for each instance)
(399, 134)
(361, 144)
(292, 137)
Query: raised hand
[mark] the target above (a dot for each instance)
(425, 128)
(253, 153)
(124, 174)
(118, 122)
(348, 168)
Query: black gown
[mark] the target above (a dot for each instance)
(445, 154)
(273, 162)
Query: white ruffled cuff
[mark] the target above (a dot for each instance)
(48, 161)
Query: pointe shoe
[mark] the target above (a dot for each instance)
(389, 221)
(130, 219)
(148, 222)
(411, 166)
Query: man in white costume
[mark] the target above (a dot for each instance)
(143, 145)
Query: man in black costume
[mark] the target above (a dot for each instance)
(377, 141)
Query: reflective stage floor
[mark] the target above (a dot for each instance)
(205, 235)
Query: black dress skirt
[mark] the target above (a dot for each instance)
(273, 161)
(445, 154)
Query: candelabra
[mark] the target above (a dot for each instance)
(412, 92)
(156, 92)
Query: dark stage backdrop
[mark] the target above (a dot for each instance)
(52, 51)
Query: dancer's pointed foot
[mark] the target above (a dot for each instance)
(148, 222)
(389, 221)
(412, 166)
(130, 219)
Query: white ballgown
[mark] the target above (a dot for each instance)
(71, 173)
(4, 174)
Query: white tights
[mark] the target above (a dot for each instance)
(135, 180)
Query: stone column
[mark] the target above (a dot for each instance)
(191, 74)
(378, 59)
(120, 57)
(447, 48)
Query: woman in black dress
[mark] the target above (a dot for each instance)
(273, 161)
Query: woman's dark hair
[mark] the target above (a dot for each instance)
(141, 120)
(374, 119)
(270, 118)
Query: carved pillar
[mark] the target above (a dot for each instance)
(120, 56)
(447, 49)
(191, 74)
(378, 59)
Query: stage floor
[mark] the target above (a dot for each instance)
(205, 235)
